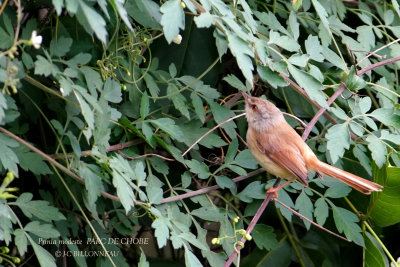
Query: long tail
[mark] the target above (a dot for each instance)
(358, 183)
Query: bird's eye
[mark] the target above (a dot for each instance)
(253, 107)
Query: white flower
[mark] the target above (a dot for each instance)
(177, 39)
(398, 262)
(36, 40)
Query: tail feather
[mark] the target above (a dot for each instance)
(356, 182)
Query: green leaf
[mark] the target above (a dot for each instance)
(284, 42)
(186, 179)
(386, 204)
(366, 36)
(161, 225)
(212, 214)
(95, 21)
(199, 168)
(246, 160)
(154, 189)
(284, 197)
(43, 256)
(60, 47)
(270, 20)
(336, 189)
(146, 12)
(233, 81)
(241, 51)
(58, 5)
(340, 113)
(346, 222)
(378, 150)
(178, 100)
(312, 86)
(386, 116)
(191, 238)
(87, 113)
(359, 152)
(122, 12)
(93, 182)
(38, 208)
(305, 207)
(252, 191)
(264, 237)
(298, 60)
(314, 48)
(168, 126)
(204, 20)
(151, 85)
(338, 137)
(42, 230)
(232, 150)
(198, 106)
(222, 113)
(321, 211)
(144, 106)
(322, 14)
(190, 258)
(293, 25)
(6, 40)
(374, 257)
(333, 58)
(224, 182)
(143, 261)
(21, 241)
(172, 19)
(30, 161)
(44, 67)
(111, 91)
(271, 77)
(122, 174)
(353, 81)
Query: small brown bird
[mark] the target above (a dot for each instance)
(278, 148)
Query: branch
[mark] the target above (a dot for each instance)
(310, 221)
(377, 65)
(301, 91)
(89, 152)
(210, 188)
(321, 111)
(253, 223)
(58, 165)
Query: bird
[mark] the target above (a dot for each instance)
(278, 148)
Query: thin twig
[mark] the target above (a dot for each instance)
(143, 156)
(377, 50)
(212, 129)
(294, 117)
(310, 221)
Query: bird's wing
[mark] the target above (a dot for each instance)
(286, 155)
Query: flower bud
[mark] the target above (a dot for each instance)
(177, 39)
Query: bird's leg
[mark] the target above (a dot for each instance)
(274, 190)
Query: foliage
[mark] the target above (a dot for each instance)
(102, 101)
